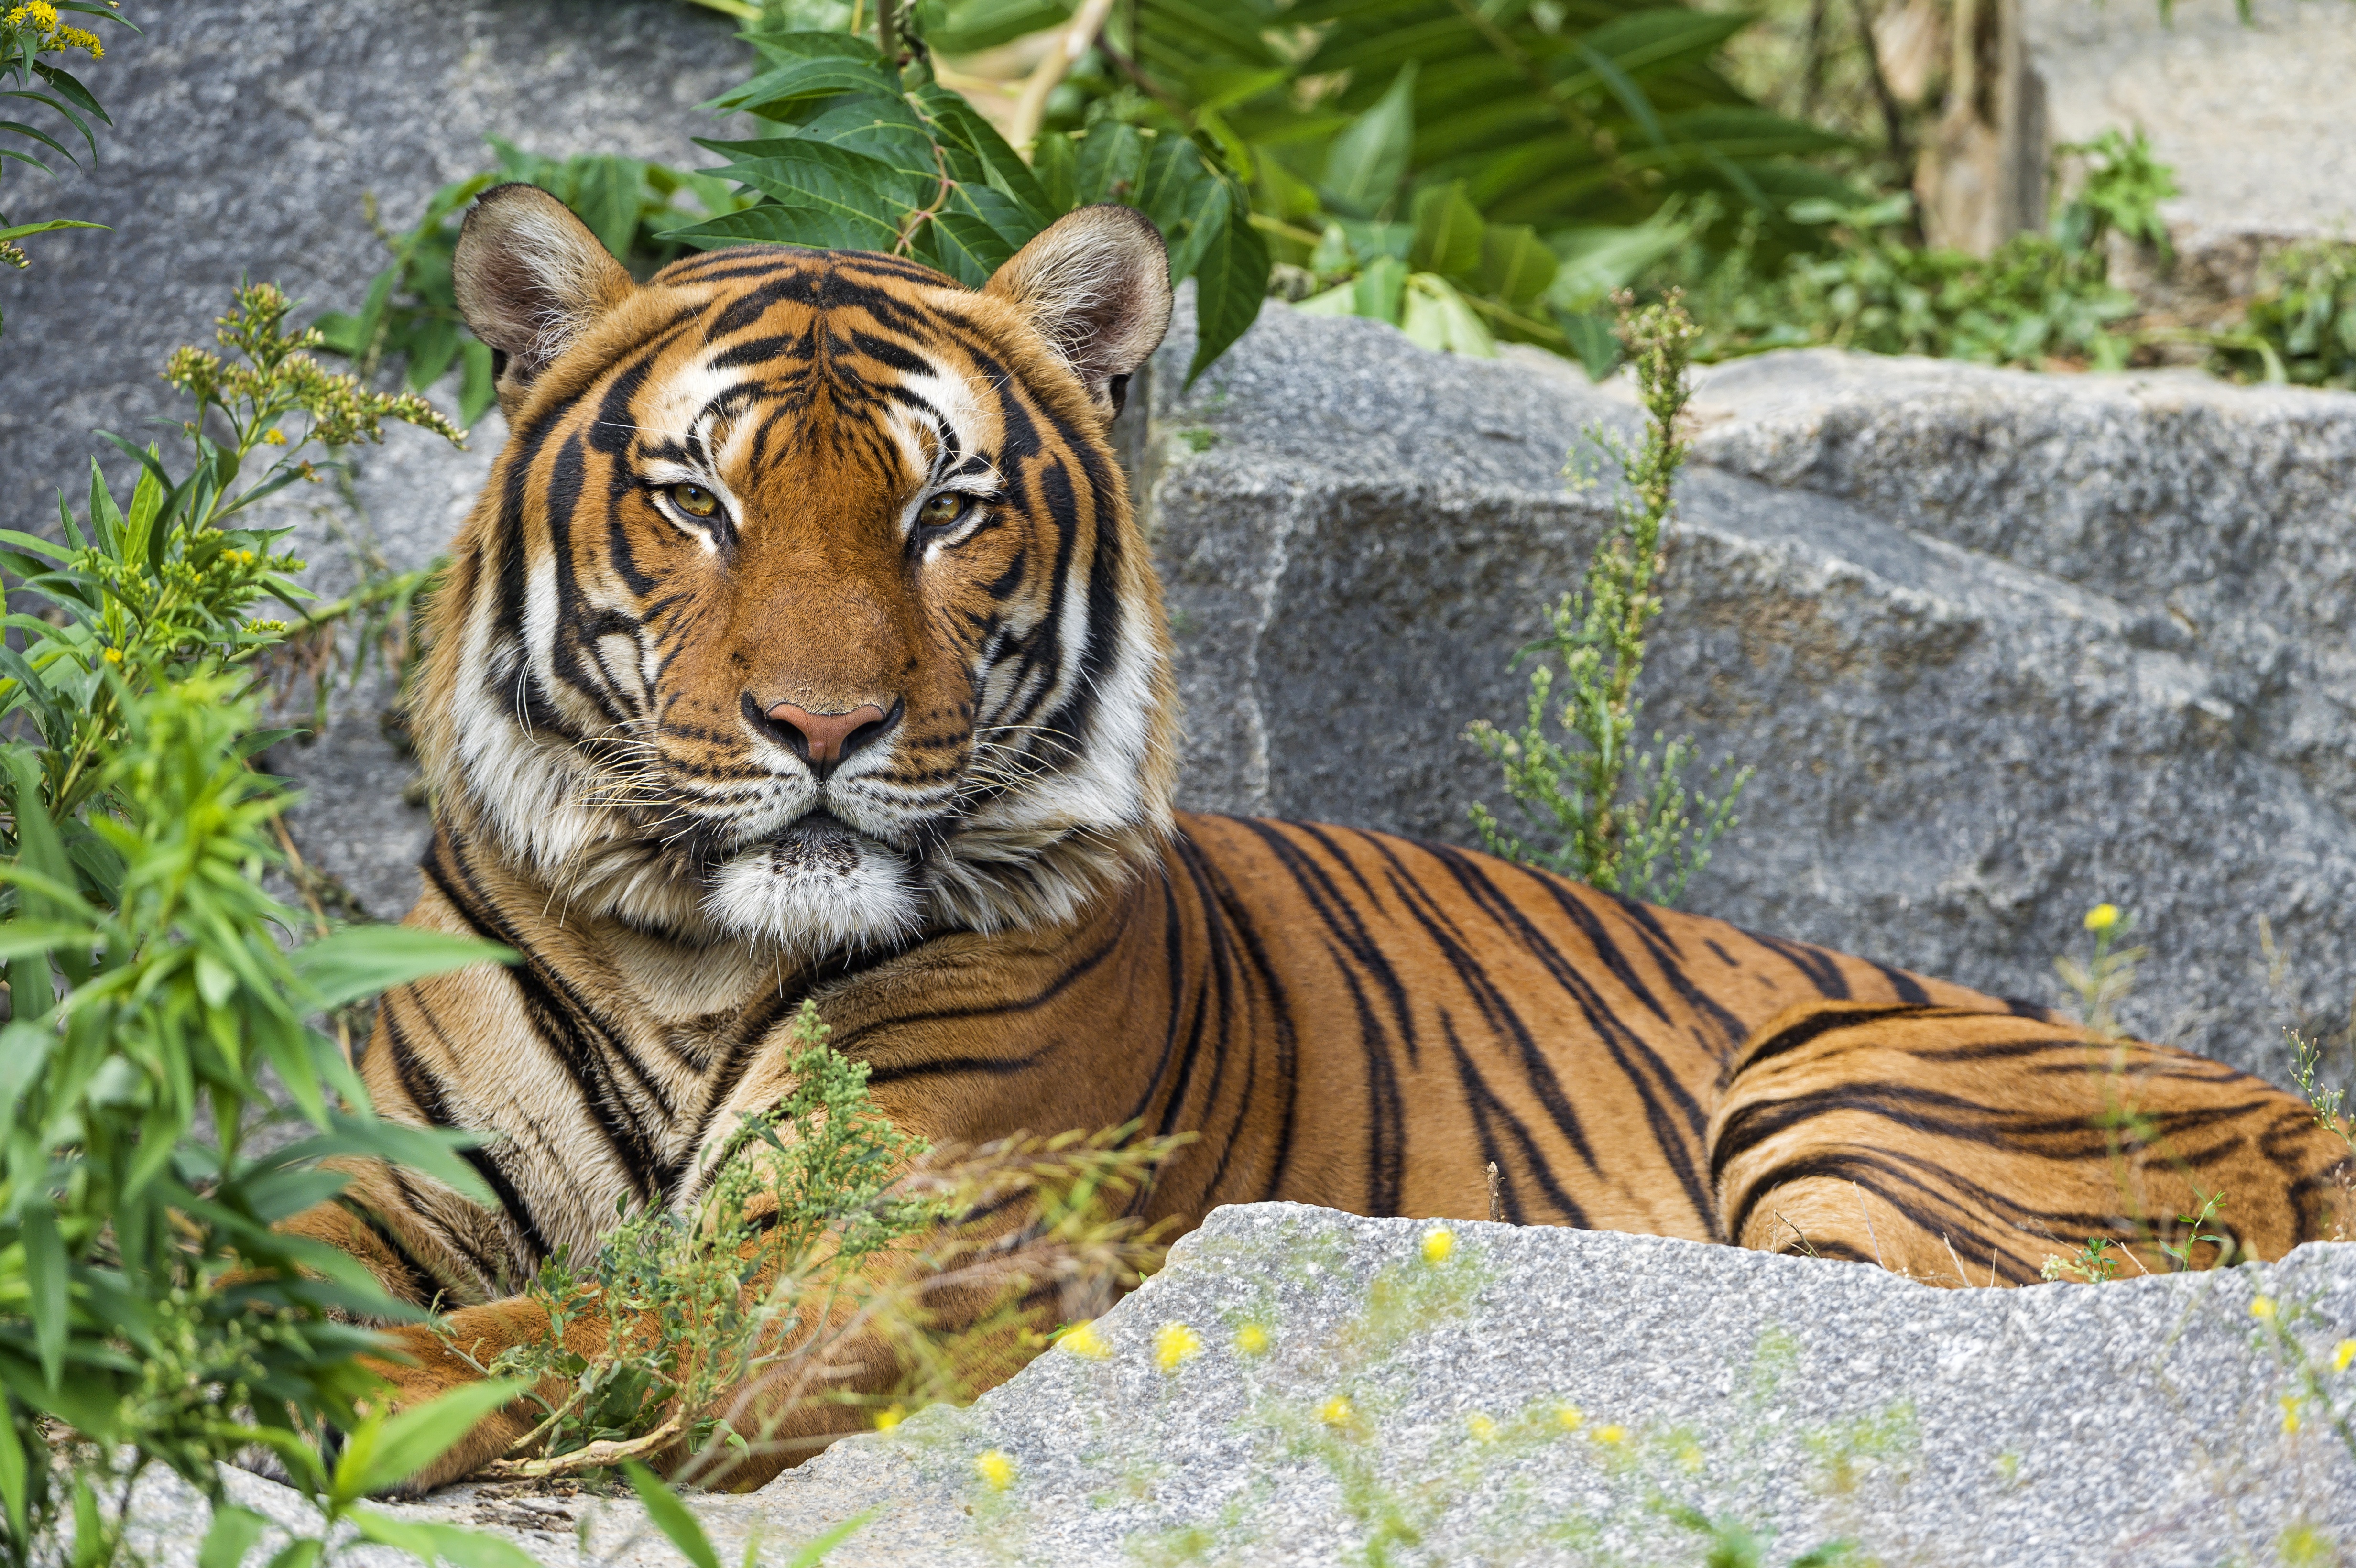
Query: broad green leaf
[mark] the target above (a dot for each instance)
(862, 199)
(1366, 163)
(966, 248)
(978, 25)
(801, 80)
(399, 1448)
(1435, 315)
(362, 960)
(1515, 265)
(234, 1531)
(478, 387)
(1448, 231)
(1230, 283)
(672, 1516)
(1592, 339)
(1380, 289)
(776, 223)
(1110, 156)
(1055, 165)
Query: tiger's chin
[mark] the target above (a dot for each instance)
(819, 887)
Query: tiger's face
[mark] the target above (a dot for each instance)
(804, 607)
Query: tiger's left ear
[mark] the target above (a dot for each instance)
(1096, 283)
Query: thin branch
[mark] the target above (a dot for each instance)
(1031, 108)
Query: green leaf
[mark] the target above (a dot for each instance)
(431, 1542)
(672, 1516)
(1448, 231)
(810, 1553)
(606, 195)
(362, 960)
(234, 1531)
(387, 1452)
(1515, 265)
(1366, 162)
(1381, 289)
(801, 80)
(1592, 339)
(1230, 284)
(477, 389)
(14, 1494)
(45, 1283)
(301, 1553)
(968, 248)
(1055, 165)
(45, 226)
(858, 200)
(978, 25)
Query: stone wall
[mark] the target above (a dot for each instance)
(2000, 645)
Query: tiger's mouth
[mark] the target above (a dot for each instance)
(819, 885)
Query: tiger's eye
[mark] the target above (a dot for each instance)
(694, 500)
(941, 511)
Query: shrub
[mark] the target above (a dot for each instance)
(1597, 809)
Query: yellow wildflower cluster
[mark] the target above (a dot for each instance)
(48, 33)
(1337, 1411)
(890, 1416)
(1569, 1417)
(2102, 917)
(1085, 1342)
(1480, 1427)
(1439, 1245)
(995, 1469)
(281, 377)
(1251, 1339)
(2262, 1308)
(1175, 1343)
(2343, 1355)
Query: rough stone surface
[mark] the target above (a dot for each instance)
(2000, 645)
(2256, 119)
(2137, 1422)
(248, 135)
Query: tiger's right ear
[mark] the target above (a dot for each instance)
(531, 279)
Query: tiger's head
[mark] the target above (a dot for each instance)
(804, 607)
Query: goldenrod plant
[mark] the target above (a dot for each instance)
(1596, 808)
(37, 39)
(148, 1313)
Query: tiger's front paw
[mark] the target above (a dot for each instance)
(423, 1364)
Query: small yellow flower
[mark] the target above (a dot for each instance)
(275, 437)
(889, 1417)
(1175, 1343)
(1336, 1412)
(1569, 1417)
(2262, 1308)
(1252, 1339)
(1482, 1428)
(1613, 1435)
(2102, 917)
(113, 656)
(2290, 1412)
(1439, 1245)
(996, 1470)
(1085, 1342)
(1690, 1456)
(2343, 1355)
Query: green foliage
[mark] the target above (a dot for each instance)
(411, 314)
(2095, 1263)
(1600, 811)
(2119, 191)
(2301, 324)
(2108, 979)
(876, 156)
(779, 1265)
(28, 32)
(148, 1313)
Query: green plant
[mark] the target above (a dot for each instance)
(2104, 982)
(2301, 324)
(27, 32)
(1599, 810)
(411, 314)
(148, 1313)
(782, 1263)
(2118, 191)
(2092, 1264)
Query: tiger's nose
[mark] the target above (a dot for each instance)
(824, 739)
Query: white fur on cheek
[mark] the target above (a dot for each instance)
(810, 907)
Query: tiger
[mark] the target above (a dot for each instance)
(804, 647)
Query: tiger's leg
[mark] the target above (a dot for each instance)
(841, 1344)
(1962, 1148)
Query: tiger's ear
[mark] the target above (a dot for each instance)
(1096, 283)
(531, 279)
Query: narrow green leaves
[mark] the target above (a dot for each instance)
(672, 1516)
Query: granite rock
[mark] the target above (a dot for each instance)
(2000, 645)
(1551, 1396)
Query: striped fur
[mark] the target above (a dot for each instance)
(994, 903)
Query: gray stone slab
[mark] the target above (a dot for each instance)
(2001, 647)
(2257, 120)
(1551, 1396)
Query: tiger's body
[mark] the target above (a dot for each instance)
(803, 646)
